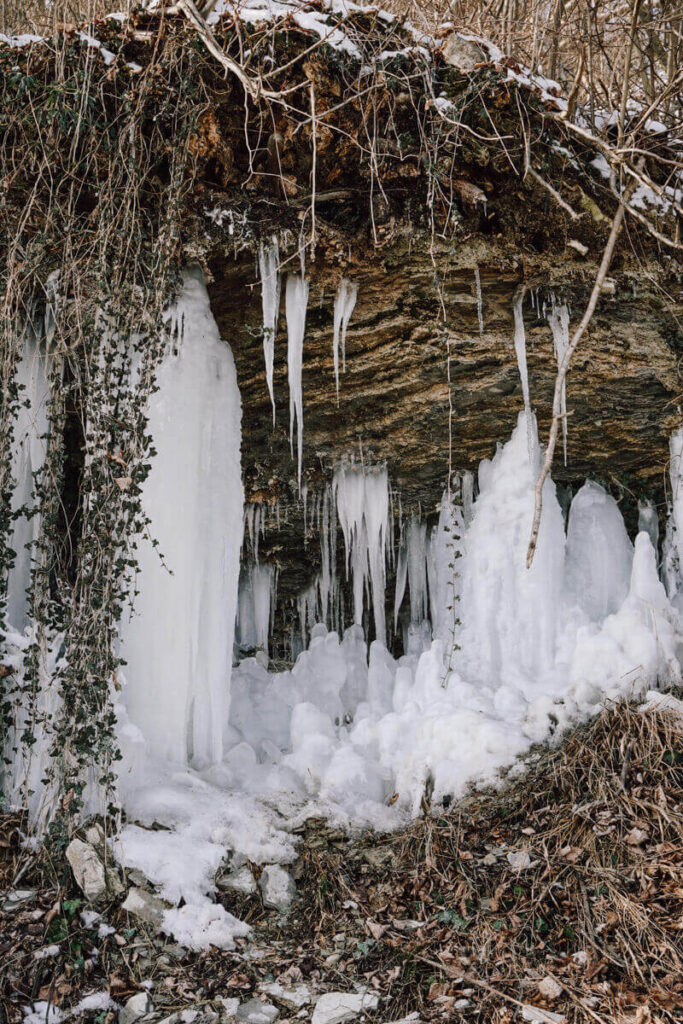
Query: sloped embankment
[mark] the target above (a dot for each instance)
(558, 898)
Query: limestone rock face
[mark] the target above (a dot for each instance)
(416, 359)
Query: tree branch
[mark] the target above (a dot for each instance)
(562, 375)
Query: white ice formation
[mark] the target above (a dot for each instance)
(296, 305)
(178, 641)
(362, 496)
(520, 352)
(344, 305)
(496, 657)
(269, 266)
(558, 319)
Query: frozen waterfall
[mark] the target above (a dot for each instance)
(178, 641)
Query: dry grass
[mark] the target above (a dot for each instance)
(600, 909)
(437, 918)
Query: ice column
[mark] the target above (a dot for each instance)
(344, 304)
(269, 262)
(520, 352)
(256, 600)
(178, 641)
(443, 565)
(296, 304)
(599, 553)
(559, 325)
(509, 613)
(362, 495)
(416, 550)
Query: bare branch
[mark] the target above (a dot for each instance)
(562, 375)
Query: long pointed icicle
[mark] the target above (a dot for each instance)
(344, 304)
(269, 261)
(558, 320)
(520, 351)
(296, 302)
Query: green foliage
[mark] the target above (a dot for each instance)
(90, 228)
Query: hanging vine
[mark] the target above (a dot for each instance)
(105, 162)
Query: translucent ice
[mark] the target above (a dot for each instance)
(296, 304)
(599, 553)
(362, 496)
(520, 352)
(344, 305)
(558, 319)
(269, 263)
(178, 641)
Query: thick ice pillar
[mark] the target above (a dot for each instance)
(178, 642)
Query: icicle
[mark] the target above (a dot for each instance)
(255, 606)
(269, 261)
(401, 579)
(296, 303)
(325, 572)
(416, 546)
(304, 499)
(467, 490)
(480, 305)
(362, 495)
(559, 325)
(344, 304)
(307, 607)
(520, 351)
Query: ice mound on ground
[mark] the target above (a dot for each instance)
(635, 648)
(362, 737)
(509, 613)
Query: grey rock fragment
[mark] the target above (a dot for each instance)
(135, 1008)
(92, 878)
(277, 888)
(462, 54)
(146, 906)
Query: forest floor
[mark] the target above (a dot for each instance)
(557, 898)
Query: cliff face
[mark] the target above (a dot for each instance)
(403, 169)
(394, 396)
(415, 312)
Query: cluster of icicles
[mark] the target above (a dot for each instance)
(360, 499)
(495, 656)
(379, 540)
(296, 304)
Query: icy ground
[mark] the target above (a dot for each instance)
(498, 657)
(359, 739)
